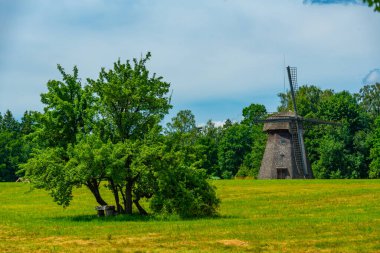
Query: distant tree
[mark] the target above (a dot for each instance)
(227, 124)
(182, 135)
(343, 149)
(252, 113)
(374, 167)
(183, 122)
(209, 141)
(369, 99)
(308, 99)
(10, 147)
(234, 145)
(252, 160)
(9, 123)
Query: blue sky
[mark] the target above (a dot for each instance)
(218, 55)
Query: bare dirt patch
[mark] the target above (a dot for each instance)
(234, 242)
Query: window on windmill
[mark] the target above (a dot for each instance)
(282, 141)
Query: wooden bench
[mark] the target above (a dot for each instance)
(105, 210)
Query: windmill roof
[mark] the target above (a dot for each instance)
(270, 126)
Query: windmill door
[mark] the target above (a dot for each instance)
(282, 173)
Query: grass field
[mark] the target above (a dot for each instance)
(255, 216)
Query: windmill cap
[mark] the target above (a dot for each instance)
(281, 125)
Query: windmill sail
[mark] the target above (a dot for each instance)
(299, 150)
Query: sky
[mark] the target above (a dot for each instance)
(219, 55)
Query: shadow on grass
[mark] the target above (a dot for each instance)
(137, 218)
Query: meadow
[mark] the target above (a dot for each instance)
(255, 216)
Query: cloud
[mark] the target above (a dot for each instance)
(372, 77)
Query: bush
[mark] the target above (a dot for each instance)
(184, 190)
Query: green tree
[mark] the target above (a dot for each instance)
(209, 141)
(369, 99)
(308, 99)
(111, 134)
(10, 147)
(234, 145)
(252, 113)
(252, 160)
(182, 134)
(374, 167)
(183, 122)
(343, 149)
(131, 103)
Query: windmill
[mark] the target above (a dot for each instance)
(285, 153)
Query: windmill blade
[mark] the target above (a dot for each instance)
(279, 119)
(318, 121)
(292, 76)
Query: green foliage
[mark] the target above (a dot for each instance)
(130, 101)
(308, 99)
(46, 169)
(252, 113)
(374, 171)
(242, 145)
(183, 189)
(369, 99)
(234, 145)
(208, 142)
(182, 133)
(373, 3)
(183, 122)
(349, 156)
(67, 112)
(12, 148)
(108, 132)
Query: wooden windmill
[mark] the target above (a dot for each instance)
(285, 153)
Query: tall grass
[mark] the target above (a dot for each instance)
(255, 216)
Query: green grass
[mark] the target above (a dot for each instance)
(255, 216)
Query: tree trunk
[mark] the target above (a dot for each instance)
(115, 192)
(139, 207)
(128, 197)
(93, 185)
(122, 195)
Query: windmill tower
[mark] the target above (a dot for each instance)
(285, 153)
